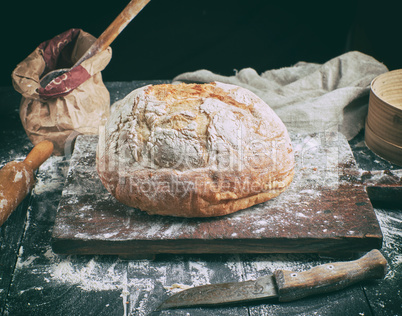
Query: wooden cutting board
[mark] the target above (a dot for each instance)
(323, 211)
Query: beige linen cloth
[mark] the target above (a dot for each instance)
(310, 97)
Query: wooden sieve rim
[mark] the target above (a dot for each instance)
(385, 118)
(374, 83)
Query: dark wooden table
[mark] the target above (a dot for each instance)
(36, 281)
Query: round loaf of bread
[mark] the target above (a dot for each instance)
(194, 150)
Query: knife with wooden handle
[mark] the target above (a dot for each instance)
(17, 178)
(284, 285)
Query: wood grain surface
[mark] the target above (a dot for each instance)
(322, 211)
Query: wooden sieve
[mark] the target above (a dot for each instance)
(383, 133)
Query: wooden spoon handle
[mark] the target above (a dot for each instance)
(114, 29)
(39, 154)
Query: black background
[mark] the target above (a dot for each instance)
(171, 37)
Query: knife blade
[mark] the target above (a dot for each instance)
(284, 285)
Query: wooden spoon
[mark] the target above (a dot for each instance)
(106, 38)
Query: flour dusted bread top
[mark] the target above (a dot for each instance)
(194, 150)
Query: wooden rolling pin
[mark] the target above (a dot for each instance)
(17, 178)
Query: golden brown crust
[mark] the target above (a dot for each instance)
(173, 150)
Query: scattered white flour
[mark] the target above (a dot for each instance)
(86, 208)
(36, 288)
(153, 229)
(200, 273)
(392, 236)
(3, 203)
(48, 178)
(398, 259)
(110, 235)
(235, 266)
(27, 222)
(21, 264)
(173, 229)
(88, 277)
(50, 255)
(124, 294)
(18, 176)
(97, 275)
(259, 231)
(300, 214)
(176, 287)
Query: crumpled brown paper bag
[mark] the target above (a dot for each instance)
(75, 103)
